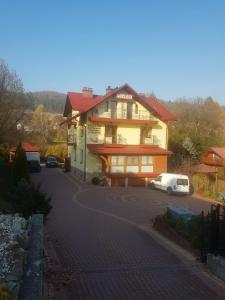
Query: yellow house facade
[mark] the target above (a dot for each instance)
(121, 136)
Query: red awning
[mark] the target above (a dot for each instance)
(117, 149)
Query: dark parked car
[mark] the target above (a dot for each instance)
(34, 166)
(51, 162)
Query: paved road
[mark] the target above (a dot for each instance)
(95, 234)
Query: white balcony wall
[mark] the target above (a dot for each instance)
(160, 131)
(128, 135)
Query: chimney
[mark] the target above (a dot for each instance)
(87, 92)
(109, 90)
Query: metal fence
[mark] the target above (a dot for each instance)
(213, 232)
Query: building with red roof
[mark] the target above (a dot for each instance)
(121, 135)
(215, 156)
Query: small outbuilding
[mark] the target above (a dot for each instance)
(32, 152)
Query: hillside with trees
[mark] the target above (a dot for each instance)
(200, 124)
(53, 101)
(14, 102)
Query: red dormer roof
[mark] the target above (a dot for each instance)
(218, 150)
(83, 104)
(26, 147)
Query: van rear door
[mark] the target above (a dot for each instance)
(183, 185)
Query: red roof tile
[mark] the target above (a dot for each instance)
(219, 151)
(159, 109)
(119, 149)
(202, 168)
(83, 104)
(27, 148)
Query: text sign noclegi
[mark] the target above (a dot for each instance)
(124, 96)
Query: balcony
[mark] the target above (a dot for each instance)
(149, 122)
(153, 140)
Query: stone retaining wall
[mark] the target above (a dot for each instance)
(14, 239)
(21, 253)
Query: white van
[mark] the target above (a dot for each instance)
(172, 183)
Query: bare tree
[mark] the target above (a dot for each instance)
(13, 102)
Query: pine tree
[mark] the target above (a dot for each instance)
(20, 166)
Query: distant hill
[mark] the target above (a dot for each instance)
(53, 101)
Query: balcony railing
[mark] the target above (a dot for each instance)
(123, 114)
(153, 140)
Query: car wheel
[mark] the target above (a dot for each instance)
(169, 191)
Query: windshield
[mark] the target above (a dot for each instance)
(51, 159)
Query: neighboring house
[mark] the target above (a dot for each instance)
(215, 156)
(121, 136)
(32, 152)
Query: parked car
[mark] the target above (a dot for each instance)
(34, 166)
(172, 183)
(51, 162)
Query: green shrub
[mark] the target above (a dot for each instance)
(27, 199)
(180, 226)
(169, 218)
(5, 293)
(96, 180)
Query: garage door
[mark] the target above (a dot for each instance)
(118, 181)
(136, 182)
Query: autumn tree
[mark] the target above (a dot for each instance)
(13, 102)
(200, 124)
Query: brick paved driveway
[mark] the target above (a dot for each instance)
(94, 233)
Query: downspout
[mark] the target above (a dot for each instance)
(85, 150)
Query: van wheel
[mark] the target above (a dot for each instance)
(169, 191)
(191, 189)
(152, 186)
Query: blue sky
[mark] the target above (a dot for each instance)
(175, 48)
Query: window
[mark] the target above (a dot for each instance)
(117, 160)
(146, 135)
(117, 164)
(129, 110)
(136, 109)
(132, 164)
(159, 178)
(110, 134)
(132, 160)
(113, 109)
(106, 106)
(146, 160)
(75, 153)
(81, 156)
(146, 164)
(182, 181)
(81, 131)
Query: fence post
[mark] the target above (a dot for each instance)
(202, 239)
